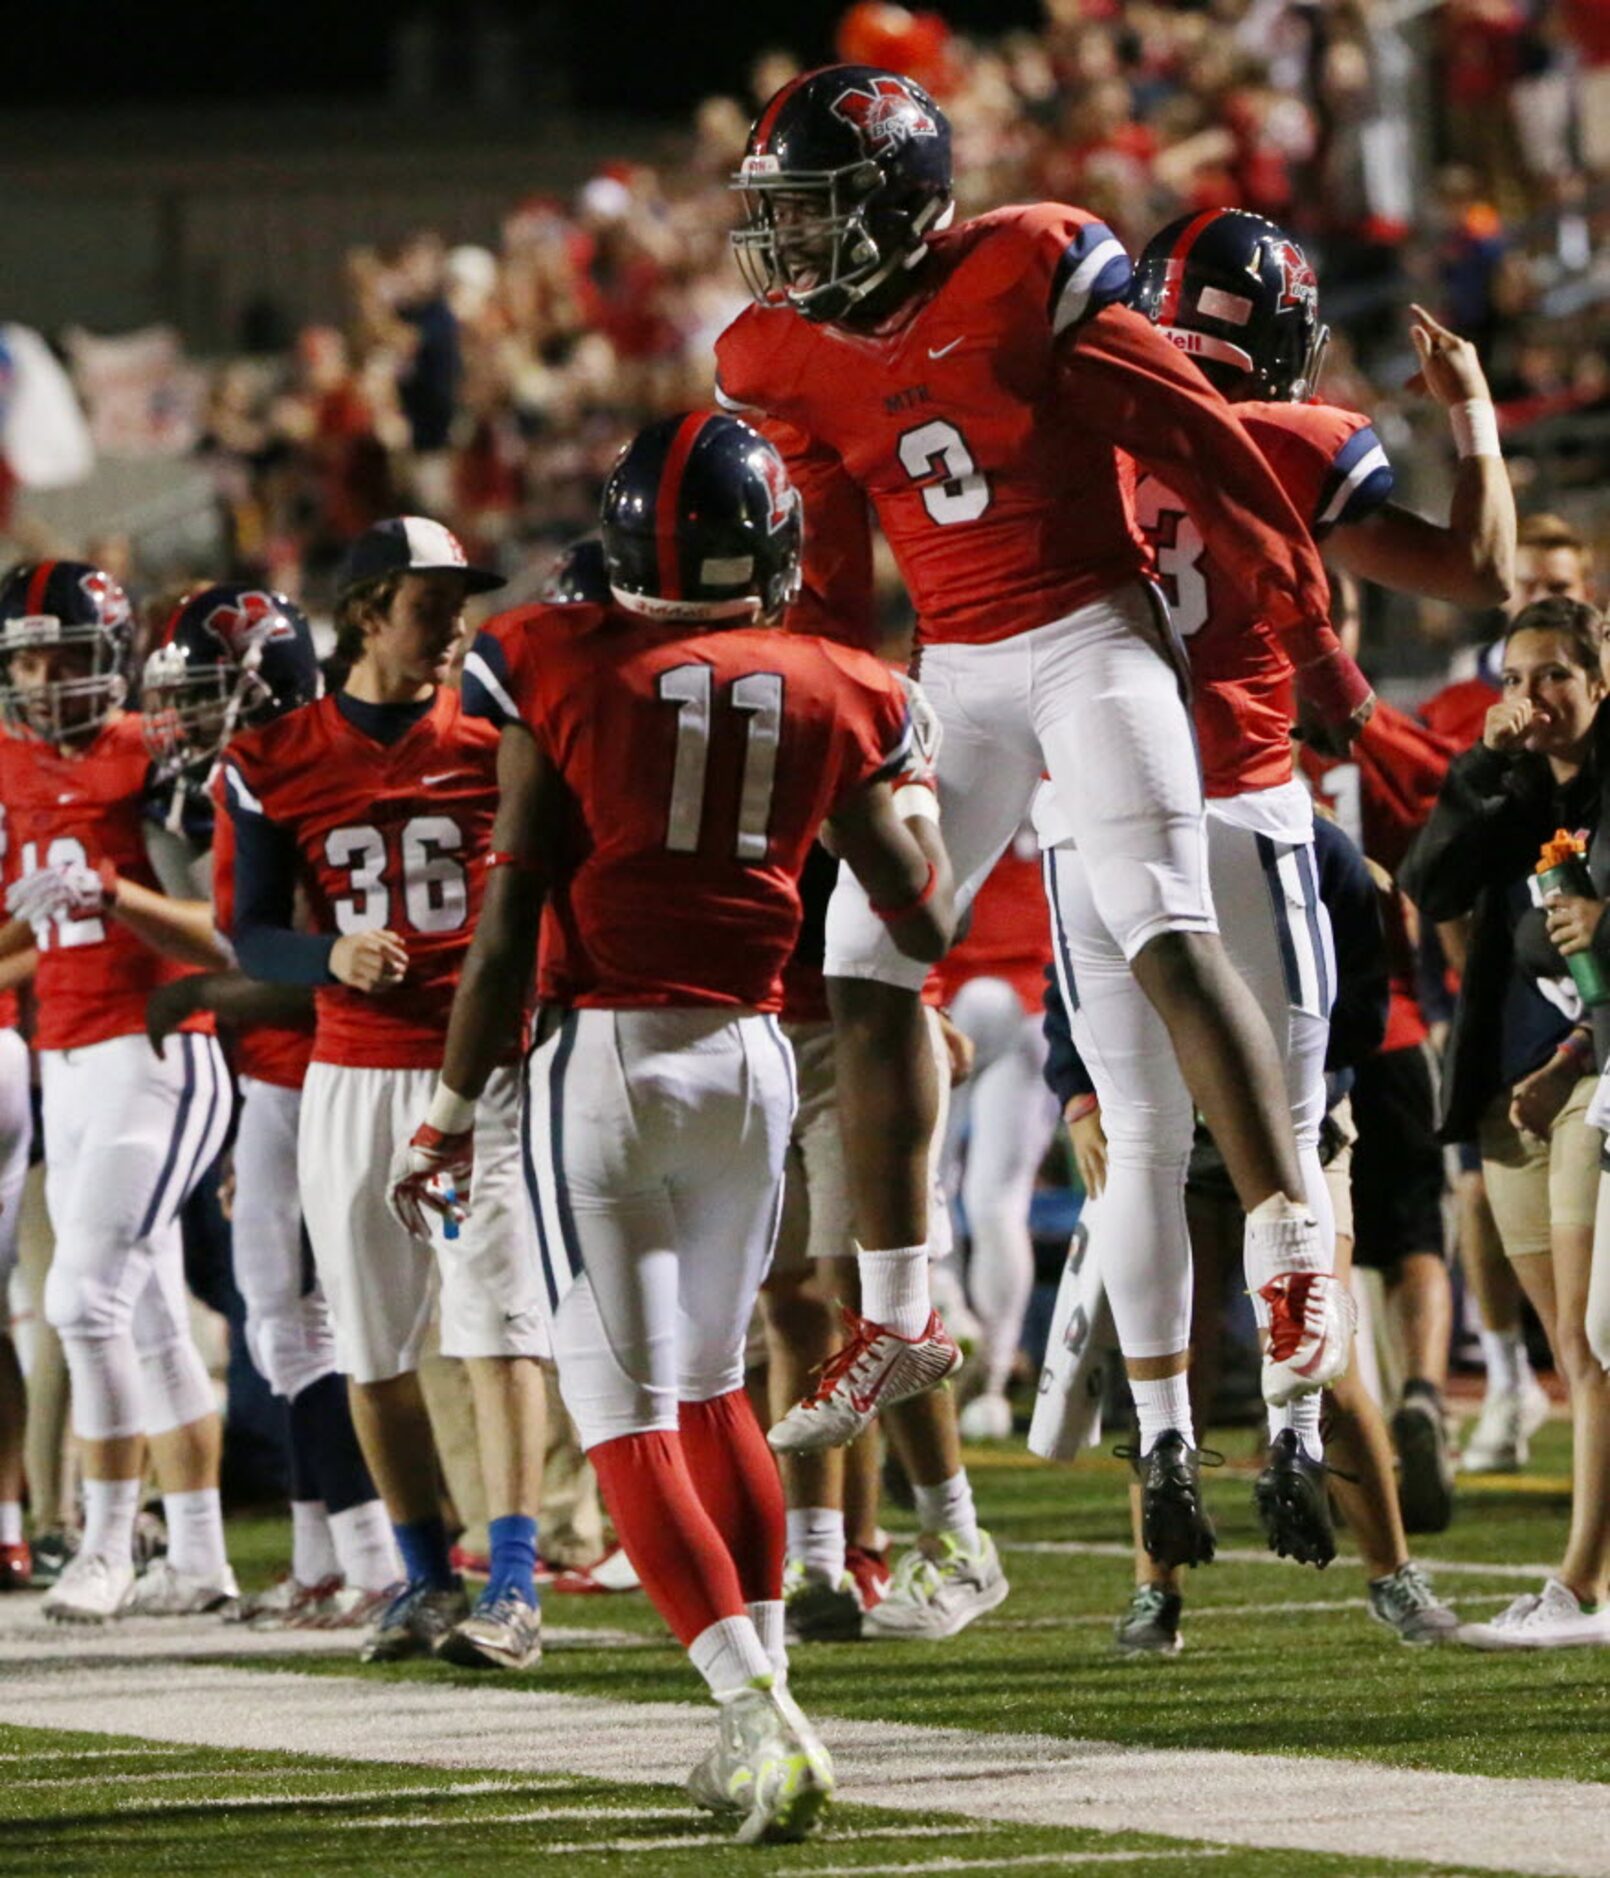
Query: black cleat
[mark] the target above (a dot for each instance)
(1151, 1624)
(1425, 1480)
(1293, 1503)
(1174, 1526)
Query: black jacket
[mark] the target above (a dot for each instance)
(1483, 837)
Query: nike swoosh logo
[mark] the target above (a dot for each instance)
(430, 782)
(66, 798)
(938, 352)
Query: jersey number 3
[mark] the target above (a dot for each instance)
(1177, 544)
(939, 451)
(759, 695)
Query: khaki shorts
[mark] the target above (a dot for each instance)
(1533, 1184)
(816, 1198)
(1339, 1170)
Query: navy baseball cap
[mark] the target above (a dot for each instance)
(410, 544)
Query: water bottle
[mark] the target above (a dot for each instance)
(1562, 867)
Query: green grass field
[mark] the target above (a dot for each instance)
(1279, 1661)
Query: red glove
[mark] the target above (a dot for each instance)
(432, 1173)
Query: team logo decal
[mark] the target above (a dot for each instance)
(778, 488)
(1299, 285)
(111, 603)
(251, 620)
(885, 115)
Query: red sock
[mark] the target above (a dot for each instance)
(680, 1556)
(736, 1476)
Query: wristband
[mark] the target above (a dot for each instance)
(449, 1112)
(1079, 1107)
(1579, 1047)
(915, 799)
(889, 914)
(1475, 427)
(108, 877)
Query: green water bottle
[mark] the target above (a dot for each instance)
(1562, 867)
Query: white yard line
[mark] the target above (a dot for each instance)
(1250, 1555)
(1105, 1621)
(1014, 1861)
(1554, 1828)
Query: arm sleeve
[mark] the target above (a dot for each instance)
(1358, 480)
(1126, 382)
(1065, 1073)
(1358, 1018)
(266, 944)
(489, 690)
(1478, 835)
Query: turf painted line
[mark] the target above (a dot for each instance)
(1013, 1861)
(1250, 1555)
(1551, 1828)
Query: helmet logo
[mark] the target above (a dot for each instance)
(778, 488)
(252, 619)
(884, 116)
(1299, 285)
(110, 602)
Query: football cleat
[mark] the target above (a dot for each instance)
(1425, 1479)
(613, 1572)
(160, 1591)
(53, 1553)
(92, 1589)
(287, 1604)
(1293, 1503)
(16, 1567)
(353, 1608)
(1174, 1524)
(768, 1768)
(500, 1633)
(986, 1418)
(414, 1622)
(1501, 1442)
(1405, 1602)
(1551, 1619)
(818, 1608)
(938, 1588)
(1310, 1334)
(1151, 1624)
(870, 1570)
(875, 1369)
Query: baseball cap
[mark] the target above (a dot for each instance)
(410, 544)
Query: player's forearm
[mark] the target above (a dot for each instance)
(1471, 562)
(17, 968)
(16, 937)
(236, 1000)
(485, 1024)
(1482, 520)
(277, 955)
(181, 929)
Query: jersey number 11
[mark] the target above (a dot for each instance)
(759, 695)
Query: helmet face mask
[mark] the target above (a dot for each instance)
(64, 642)
(807, 242)
(191, 711)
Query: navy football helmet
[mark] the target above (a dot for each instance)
(700, 521)
(1237, 293)
(68, 606)
(232, 656)
(846, 174)
(578, 575)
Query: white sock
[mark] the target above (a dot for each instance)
(767, 1617)
(1162, 1404)
(1505, 1354)
(894, 1288)
(729, 1655)
(816, 1540)
(196, 1533)
(109, 1510)
(1302, 1416)
(312, 1555)
(10, 1522)
(949, 1508)
(365, 1546)
(1282, 1236)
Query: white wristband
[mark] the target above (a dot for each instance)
(914, 799)
(1475, 427)
(450, 1113)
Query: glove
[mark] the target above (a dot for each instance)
(70, 890)
(432, 1174)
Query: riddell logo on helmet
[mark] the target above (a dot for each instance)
(111, 603)
(253, 619)
(885, 115)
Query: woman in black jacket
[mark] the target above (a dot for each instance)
(1519, 1072)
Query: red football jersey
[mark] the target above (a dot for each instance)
(386, 836)
(276, 1053)
(1459, 711)
(86, 806)
(1383, 790)
(699, 765)
(1331, 464)
(1010, 933)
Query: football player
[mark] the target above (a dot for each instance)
(377, 803)
(1225, 285)
(665, 765)
(16, 1138)
(128, 1132)
(978, 384)
(233, 657)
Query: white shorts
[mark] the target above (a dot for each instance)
(16, 1137)
(1094, 700)
(127, 1136)
(288, 1328)
(655, 1142)
(379, 1280)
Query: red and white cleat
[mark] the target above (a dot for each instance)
(875, 1369)
(1311, 1322)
